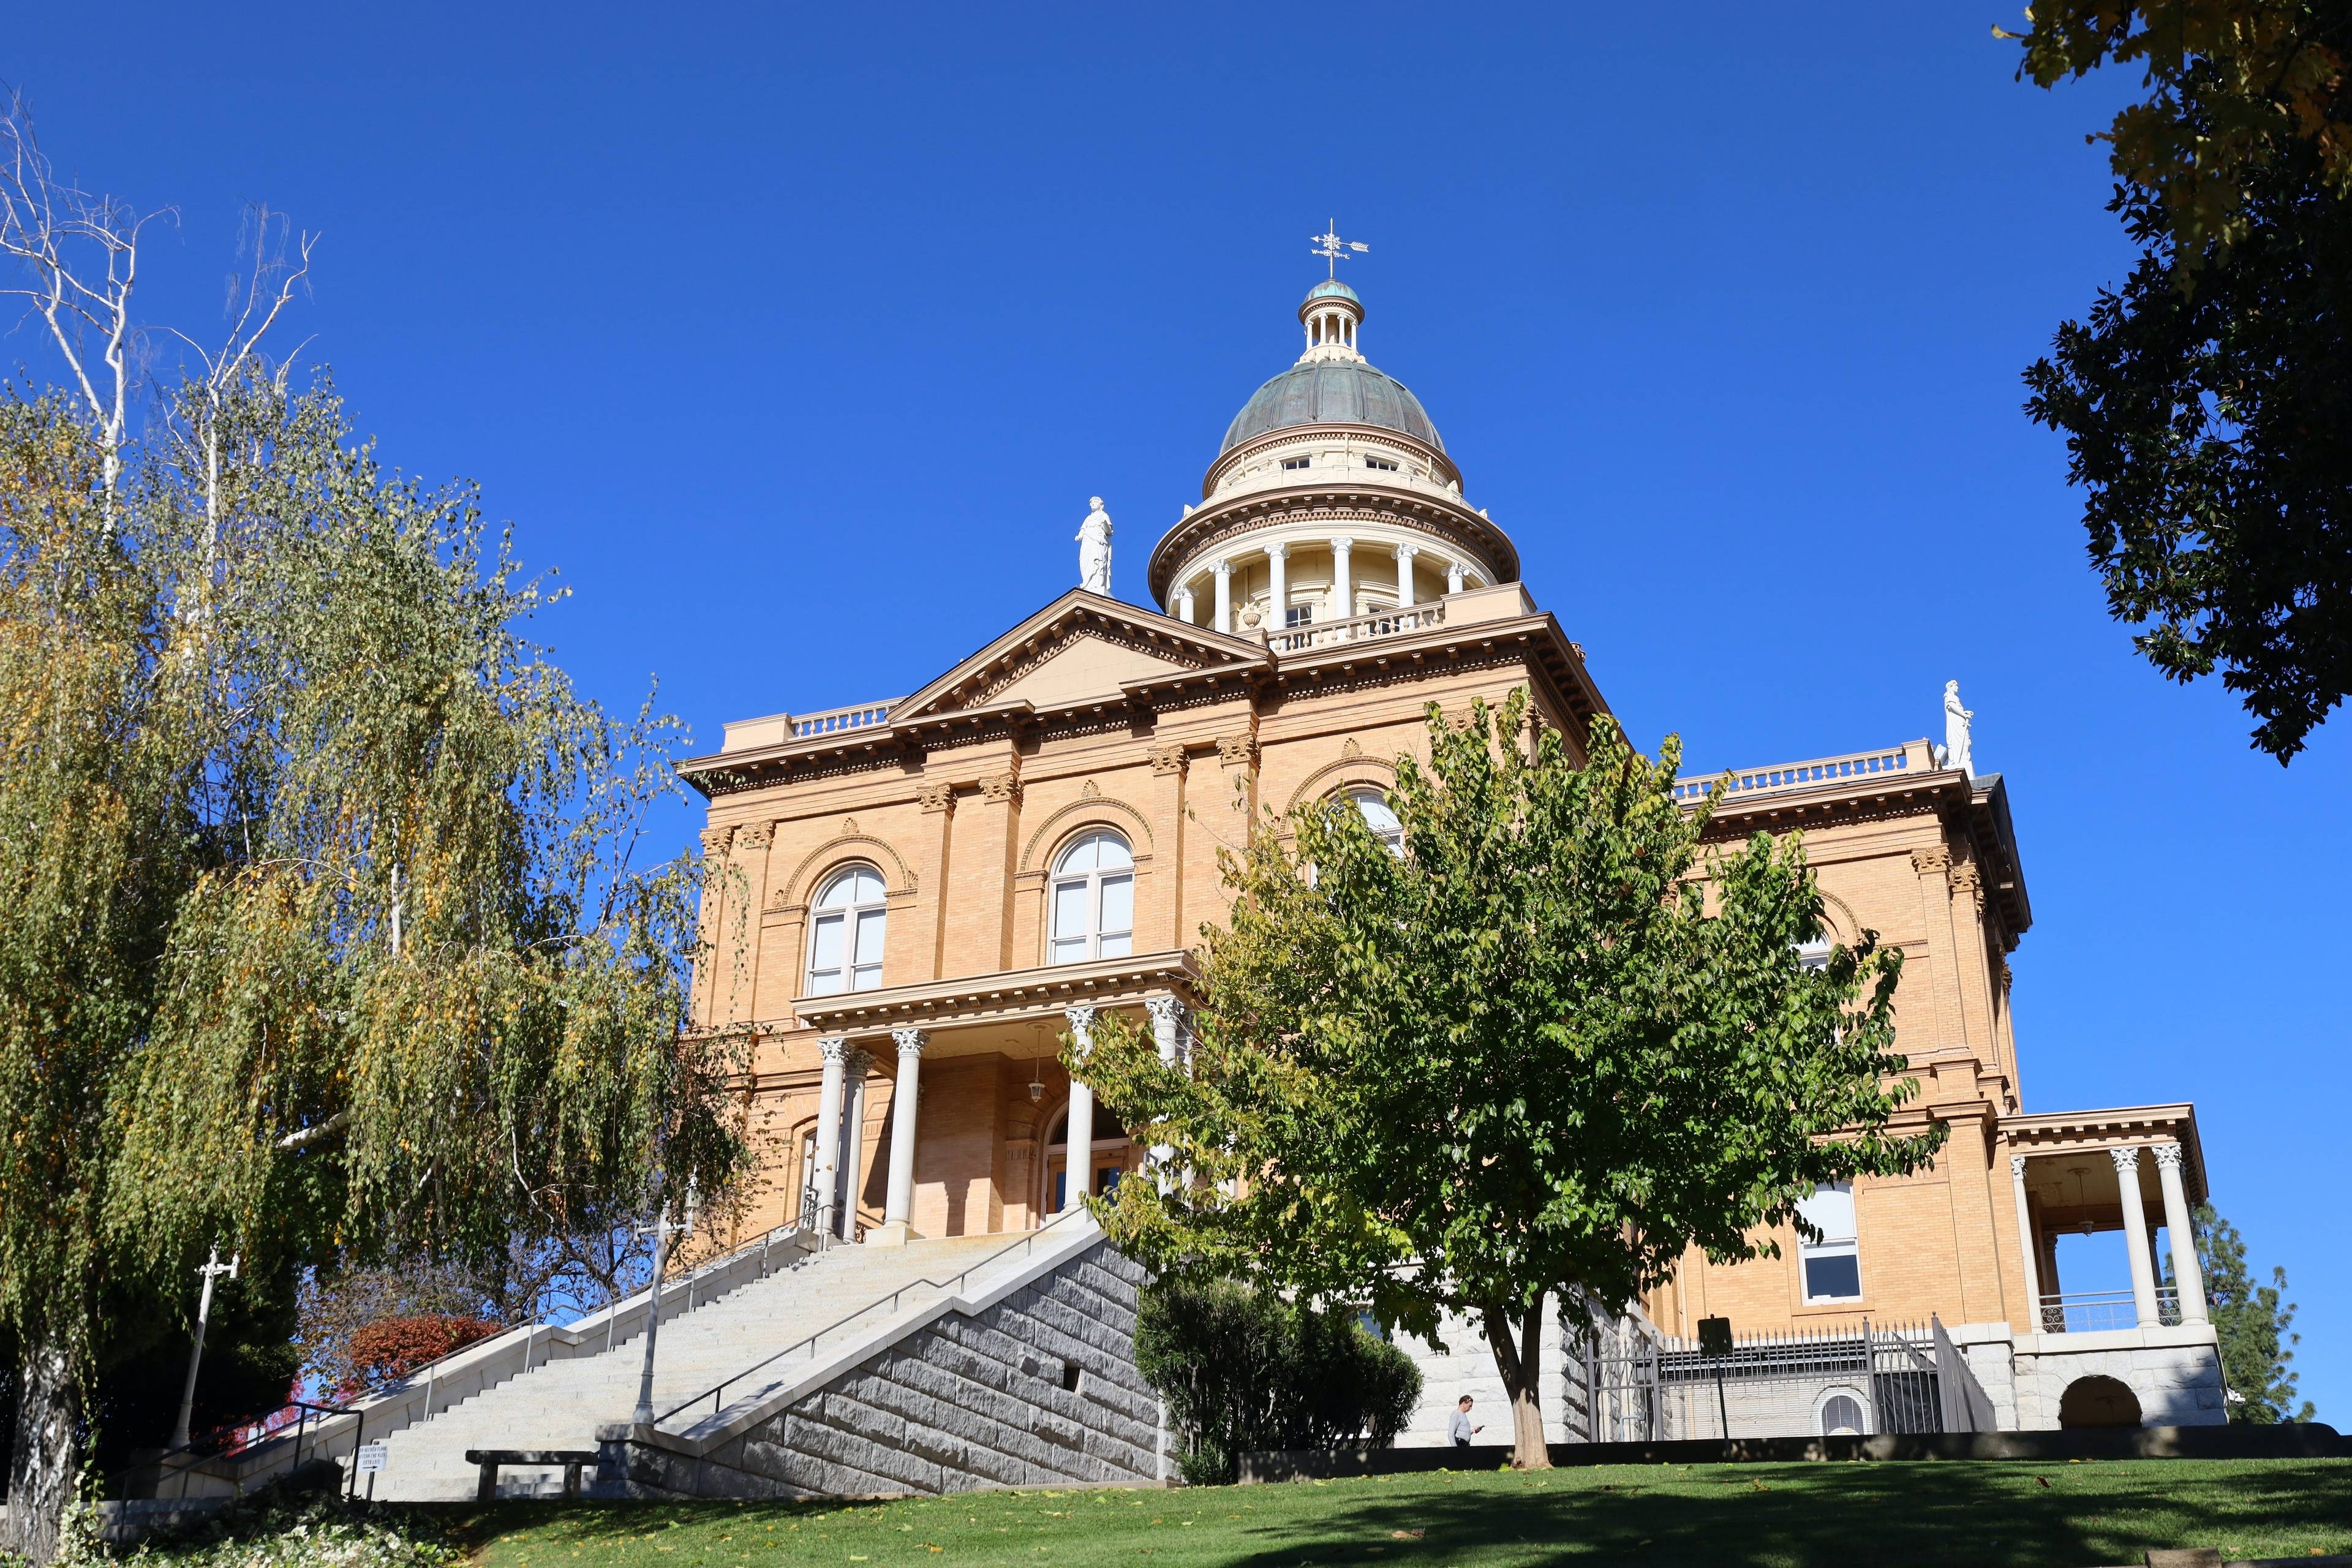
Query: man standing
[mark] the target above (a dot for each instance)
(1461, 1431)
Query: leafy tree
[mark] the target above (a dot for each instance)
(1515, 1069)
(2254, 1322)
(328, 940)
(2204, 402)
(1245, 1372)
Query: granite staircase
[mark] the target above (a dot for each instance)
(837, 1295)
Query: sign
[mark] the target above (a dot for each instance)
(373, 1456)
(1715, 1337)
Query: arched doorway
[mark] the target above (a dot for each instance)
(2098, 1402)
(1105, 1170)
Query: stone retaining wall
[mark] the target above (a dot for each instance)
(1037, 1388)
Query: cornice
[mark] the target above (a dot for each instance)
(1351, 435)
(999, 998)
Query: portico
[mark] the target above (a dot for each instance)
(2091, 1171)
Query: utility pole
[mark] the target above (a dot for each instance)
(661, 1230)
(213, 1267)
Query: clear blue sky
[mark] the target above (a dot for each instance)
(798, 336)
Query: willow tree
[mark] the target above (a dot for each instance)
(328, 933)
(1515, 1069)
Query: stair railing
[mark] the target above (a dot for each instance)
(716, 1394)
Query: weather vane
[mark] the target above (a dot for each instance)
(1333, 249)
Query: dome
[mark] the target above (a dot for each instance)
(1332, 392)
(1334, 290)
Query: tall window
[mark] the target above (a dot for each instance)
(1833, 1268)
(1093, 899)
(1380, 817)
(846, 933)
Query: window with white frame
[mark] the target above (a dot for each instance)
(1380, 463)
(1093, 899)
(845, 927)
(1297, 462)
(1298, 615)
(1833, 1266)
(1380, 816)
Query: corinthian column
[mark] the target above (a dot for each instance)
(2186, 1272)
(2143, 1273)
(1343, 582)
(1078, 1140)
(2025, 1248)
(1223, 571)
(828, 1131)
(899, 1206)
(1405, 553)
(1277, 573)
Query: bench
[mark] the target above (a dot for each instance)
(571, 1459)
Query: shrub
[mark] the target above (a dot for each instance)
(1243, 1371)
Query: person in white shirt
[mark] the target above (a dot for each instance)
(1461, 1431)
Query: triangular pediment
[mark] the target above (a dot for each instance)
(1081, 648)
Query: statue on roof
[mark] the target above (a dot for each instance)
(1958, 750)
(1094, 549)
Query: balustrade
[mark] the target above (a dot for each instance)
(1797, 775)
(857, 716)
(1357, 628)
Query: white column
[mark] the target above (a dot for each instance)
(1166, 1018)
(828, 1132)
(1343, 587)
(1277, 571)
(2025, 1248)
(1454, 572)
(1079, 1142)
(1184, 605)
(1405, 553)
(1224, 573)
(2186, 1273)
(854, 1066)
(2143, 1274)
(905, 1098)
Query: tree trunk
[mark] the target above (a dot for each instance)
(45, 1464)
(1518, 1356)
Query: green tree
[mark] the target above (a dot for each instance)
(2204, 402)
(328, 938)
(1520, 1067)
(2254, 1322)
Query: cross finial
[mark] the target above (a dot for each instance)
(1333, 249)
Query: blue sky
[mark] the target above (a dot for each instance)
(798, 337)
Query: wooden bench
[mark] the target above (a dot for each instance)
(571, 1459)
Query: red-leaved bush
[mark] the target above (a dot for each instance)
(386, 1351)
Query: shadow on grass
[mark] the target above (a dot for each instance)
(2054, 1516)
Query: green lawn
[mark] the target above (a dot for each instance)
(2046, 1515)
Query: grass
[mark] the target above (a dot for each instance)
(2045, 1515)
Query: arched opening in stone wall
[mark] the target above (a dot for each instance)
(2098, 1401)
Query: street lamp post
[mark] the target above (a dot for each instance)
(661, 1230)
(213, 1267)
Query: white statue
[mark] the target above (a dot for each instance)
(1094, 549)
(1957, 753)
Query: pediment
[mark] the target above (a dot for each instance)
(1081, 646)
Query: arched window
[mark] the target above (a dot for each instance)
(1380, 816)
(1093, 899)
(846, 933)
(1840, 1413)
(1833, 1265)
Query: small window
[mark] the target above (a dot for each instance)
(1381, 817)
(1297, 462)
(1093, 899)
(1842, 1415)
(1380, 463)
(845, 931)
(1833, 1266)
(1298, 615)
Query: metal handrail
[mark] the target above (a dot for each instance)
(2098, 1310)
(714, 1393)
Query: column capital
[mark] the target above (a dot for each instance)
(1164, 1009)
(833, 1049)
(1169, 759)
(1933, 859)
(2168, 1156)
(855, 1062)
(2127, 1159)
(1279, 550)
(910, 1043)
(714, 841)
(1407, 552)
(1001, 788)
(1343, 543)
(1081, 1016)
(2017, 1166)
(1222, 569)
(935, 796)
